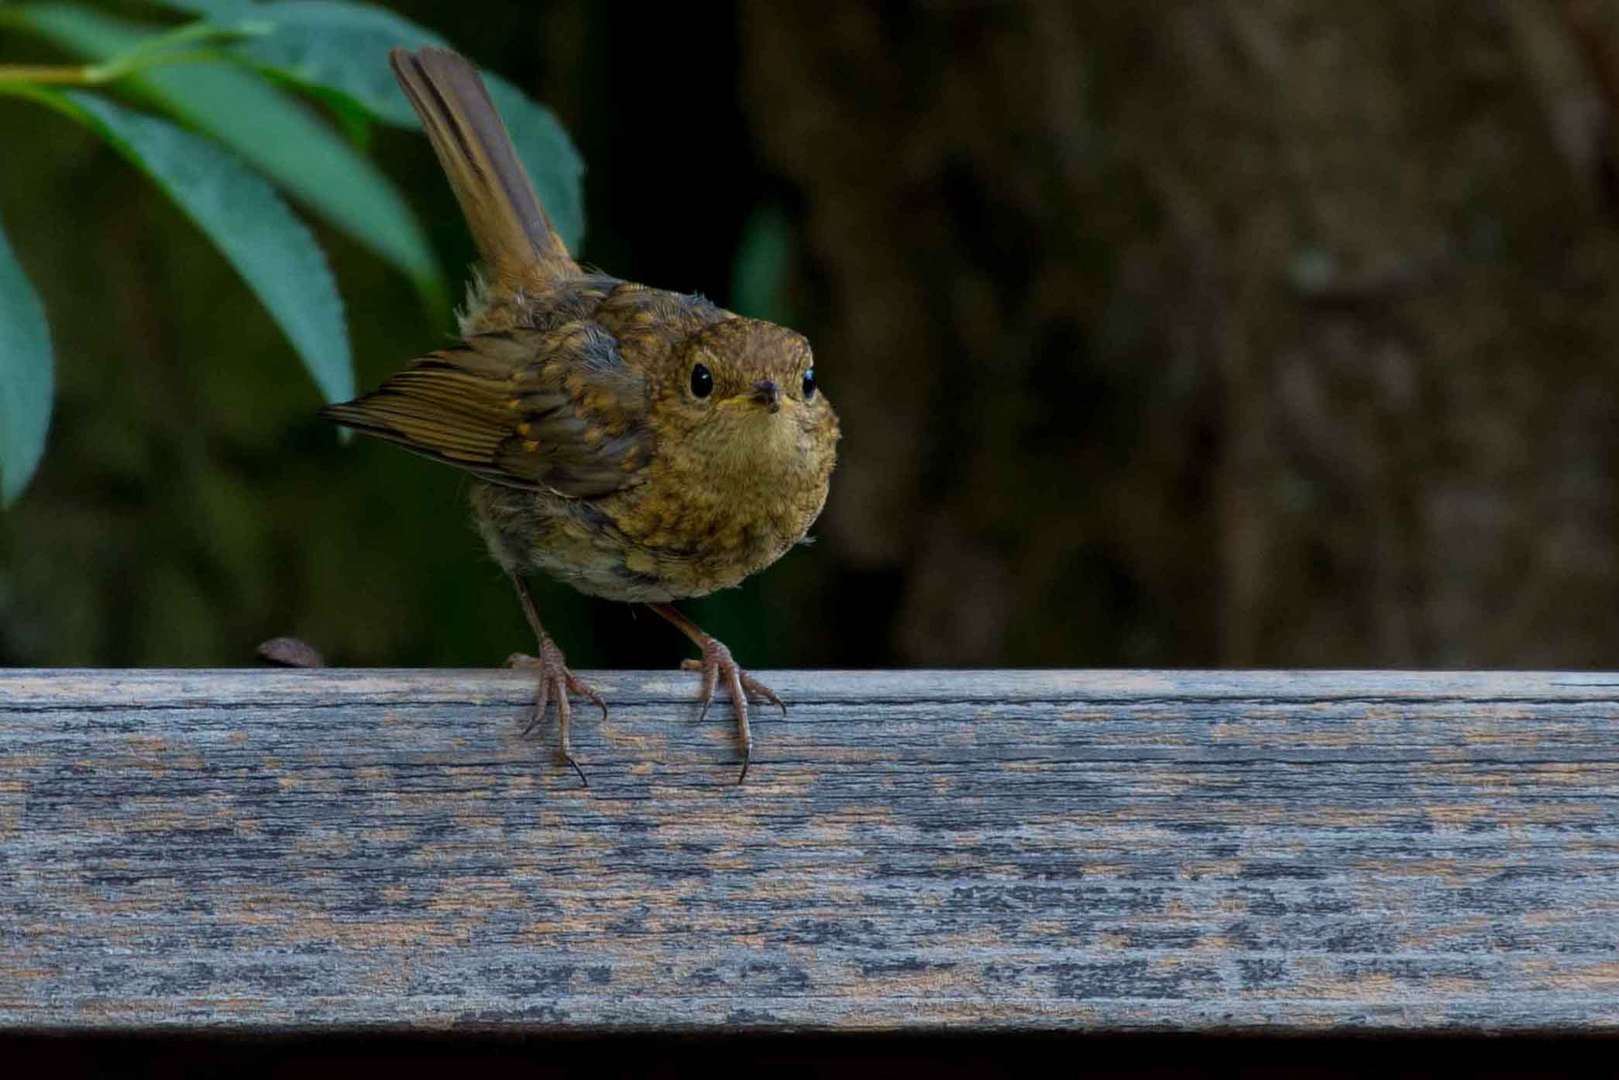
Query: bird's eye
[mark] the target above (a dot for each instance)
(809, 384)
(702, 383)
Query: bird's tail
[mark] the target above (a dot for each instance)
(514, 236)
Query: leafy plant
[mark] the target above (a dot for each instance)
(212, 114)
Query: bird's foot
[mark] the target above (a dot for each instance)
(717, 664)
(556, 683)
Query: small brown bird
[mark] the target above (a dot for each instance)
(639, 445)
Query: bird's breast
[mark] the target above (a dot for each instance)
(693, 524)
(707, 523)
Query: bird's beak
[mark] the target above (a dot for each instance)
(768, 394)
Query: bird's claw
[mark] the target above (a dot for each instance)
(756, 690)
(556, 681)
(717, 663)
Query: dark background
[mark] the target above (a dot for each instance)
(1204, 333)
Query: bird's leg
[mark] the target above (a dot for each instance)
(555, 679)
(716, 664)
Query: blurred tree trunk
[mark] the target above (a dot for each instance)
(1293, 323)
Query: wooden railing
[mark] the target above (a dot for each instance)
(1100, 851)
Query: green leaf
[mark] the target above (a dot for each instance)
(25, 376)
(268, 129)
(343, 47)
(340, 46)
(210, 8)
(252, 227)
(351, 118)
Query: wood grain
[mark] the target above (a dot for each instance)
(328, 849)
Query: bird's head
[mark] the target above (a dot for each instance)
(743, 394)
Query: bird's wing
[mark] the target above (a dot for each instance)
(555, 410)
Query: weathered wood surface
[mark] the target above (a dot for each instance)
(1086, 850)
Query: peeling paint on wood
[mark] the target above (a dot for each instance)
(329, 849)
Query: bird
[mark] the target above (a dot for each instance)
(637, 444)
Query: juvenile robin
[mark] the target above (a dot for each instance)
(640, 445)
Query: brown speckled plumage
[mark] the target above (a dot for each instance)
(574, 399)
